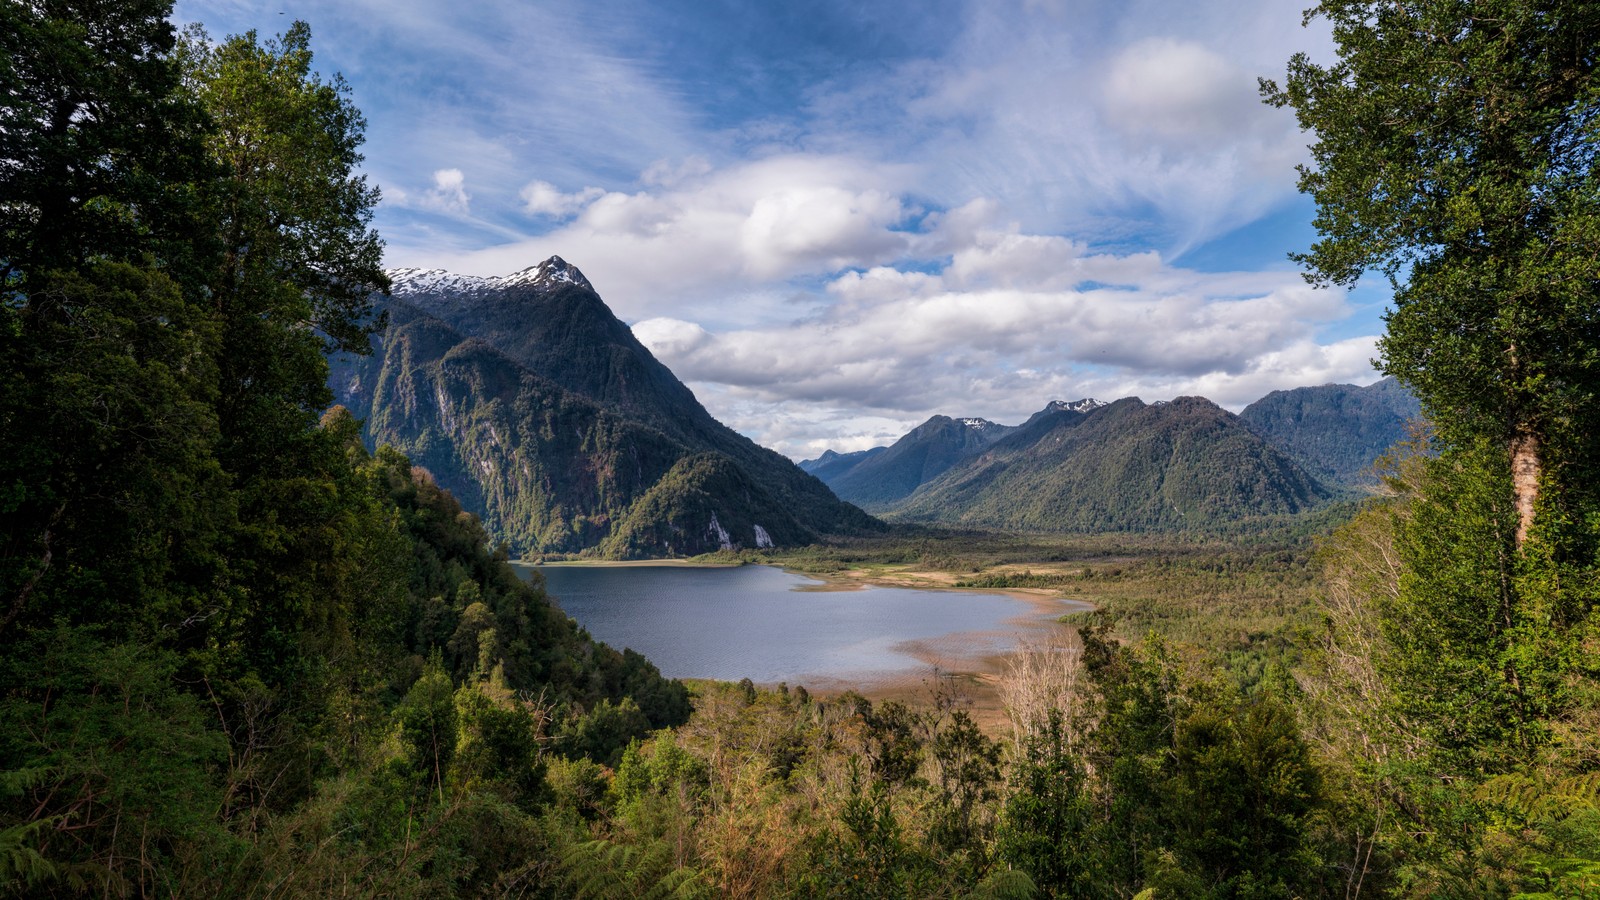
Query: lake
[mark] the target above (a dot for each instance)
(768, 625)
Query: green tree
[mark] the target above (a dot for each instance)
(107, 374)
(101, 145)
(1455, 152)
(427, 719)
(1048, 812)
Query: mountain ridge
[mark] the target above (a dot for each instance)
(1121, 466)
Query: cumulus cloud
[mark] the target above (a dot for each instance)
(739, 229)
(1011, 322)
(448, 195)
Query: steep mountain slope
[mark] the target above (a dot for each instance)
(1121, 466)
(876, 481)
(1336, 431)
(531, 402)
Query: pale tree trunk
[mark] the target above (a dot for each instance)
(1526, 467)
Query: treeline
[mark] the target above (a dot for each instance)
(233, 644)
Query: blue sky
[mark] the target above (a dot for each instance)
(834, 219)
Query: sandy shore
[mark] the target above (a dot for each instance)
(959, 661)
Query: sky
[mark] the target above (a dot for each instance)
(835, 218)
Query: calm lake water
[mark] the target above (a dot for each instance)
(769, 625)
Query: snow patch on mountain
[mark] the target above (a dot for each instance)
(1087, 404)
(548, 275)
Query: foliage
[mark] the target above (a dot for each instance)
(237, 649)
(102, 148)
(1181, 786)
(1454, 152)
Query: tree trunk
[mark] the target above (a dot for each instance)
(1526, 467)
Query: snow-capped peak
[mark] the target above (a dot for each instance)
(1081, 406)
(547, 275)
(979, 424)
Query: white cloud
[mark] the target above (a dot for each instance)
(541, 198)
(715, 235)
(449, 193)
(819, 228)
(1013, 321)
(1104, 121)
(1179, 92)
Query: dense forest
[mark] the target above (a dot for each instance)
(240, 655)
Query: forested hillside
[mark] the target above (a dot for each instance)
(1337, 431)
(226, 627)
(243, 656)
(1126, 466)
(880, 480)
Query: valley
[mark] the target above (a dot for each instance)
(1243, 604)
(526, 398)
(325, 578)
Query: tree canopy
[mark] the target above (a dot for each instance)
(1454, 152)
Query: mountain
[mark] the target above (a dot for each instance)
(1336, 431)
(830, 464)
(1123, 466)
(1087, 404)
(538, 408)
(882, 476)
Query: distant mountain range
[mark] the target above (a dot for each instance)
(1093, 466)
(883, 476)
(1336, 431)
(537, 407)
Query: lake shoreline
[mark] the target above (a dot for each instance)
(1043, 599)
(953, 661)
(974, 676)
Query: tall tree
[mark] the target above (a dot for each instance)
(109, 493)
(299, 261)
(1455, 150)
(99, 146)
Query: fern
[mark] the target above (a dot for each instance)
(603, 870)
(17, 782)
(1006, 884)
(22, 866)
(1538, 797)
